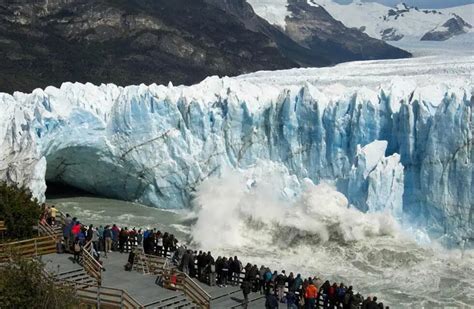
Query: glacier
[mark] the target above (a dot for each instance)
(391, 135)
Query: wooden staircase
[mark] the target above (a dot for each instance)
(173, 302)
(140, 262)
(78, 276)
(55, 231)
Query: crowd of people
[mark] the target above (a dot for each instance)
(280, 289)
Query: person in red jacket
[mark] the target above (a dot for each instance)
(332, 295)
(76, 229)
(310, 295)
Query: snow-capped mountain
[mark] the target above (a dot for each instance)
(402, 21)
(385, 132)
(376, 20)
(48, 42)
(312, 27)
(453, 27)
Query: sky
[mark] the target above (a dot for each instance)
(420, 3)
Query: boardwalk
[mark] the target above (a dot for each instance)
(143, 287)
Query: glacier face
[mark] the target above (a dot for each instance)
(393, 135)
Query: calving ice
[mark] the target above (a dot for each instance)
(388, 134)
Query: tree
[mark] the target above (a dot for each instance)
(19, 210)
(23, 284)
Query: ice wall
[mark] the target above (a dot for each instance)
(155, 144)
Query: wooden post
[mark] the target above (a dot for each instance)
(98, 297)
(36, 248)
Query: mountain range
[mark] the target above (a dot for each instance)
(48, 42)
(402, 22)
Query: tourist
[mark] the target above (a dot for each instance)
(251, 276)
(166, 244)
(297, 285)
(76, 250)
(348, 298)
(271, 301)
(82, 234)
(76, 228)
(273, 282)
(291, 300)
(115, 237)
(261, 275)
(325, 292)
(373, 304)
(140, 238)
(100, 234)
(225, 271)
(246, 287)
(357, 301)
(108, 237)
(89, 233)
(311, 294)
(192, 263)
(268, 280)
(159, 243)
(123, 238)
(340, 294)
(53, 212)
(280, 282)
(95, 239)
(185, 261)
(303, 290)
(200, 264)
(231, 271)
(290, 281)
(67, 230)
(332, 295)
(132, 239)
(366, 302)
(47, 214)
(211, 272)
(236, 270)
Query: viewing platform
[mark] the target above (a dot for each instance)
(140, 287)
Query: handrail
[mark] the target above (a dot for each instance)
(190, 288)
(196, 293)
(47, 230)
(90, 264)
(94, 294)
(29, 248)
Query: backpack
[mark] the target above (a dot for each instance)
(341, 292)
(347, 298)
(268, 276)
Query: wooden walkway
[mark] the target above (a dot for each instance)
(141, 286)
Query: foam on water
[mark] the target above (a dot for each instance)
(317, 232)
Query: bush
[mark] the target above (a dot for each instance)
(19, 210)
(24, 285)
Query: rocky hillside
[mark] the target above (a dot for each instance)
(47, 42)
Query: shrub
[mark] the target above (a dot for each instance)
(24, 285)
(19, 210)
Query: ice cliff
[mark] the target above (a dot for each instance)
(391, 135)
